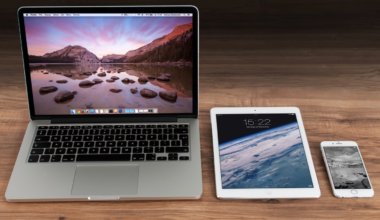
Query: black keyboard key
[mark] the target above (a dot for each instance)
(67, 144)
(125, 131)
(42, 127)
(150, 157)
(115, 131)
(140, 137)
(73, 132)
(53, 127)
(97, 127)
(175, 143)
(77, 138)
(94, 132)
(86, 127)
(181, 131)
(87, 138)
(60, 151)
(148, 150)
(121, 143)
(49, 151)
(89, 144)
(93, 151)
(138, 157)
(104, 157)
(157, 131)
(173, 137)
(109, 138)
(173, 156)
(130, 137)
(98, 137)
(111, 143)
(56, 144)
(41, 145)
(183, 158)
(51, 132)
(65, 127)
(100, 144)
(37, 151)
(143, 143)
(140, 126)
(136, 131)
(82, 150)
(161, 158)
(152, 137)
(71, 151)
(75, 127)
(84, 132)
(104, 150)
(62, 132)
(129, 126)
(154, 143)
(118, 126)
(159, 149)
(137, 150)
(164, 143)
(185, 143)
(55, 138)
(104, 131)
(42, 138)
(125, 150)
(132, 143)
(66, 138)
(78, 144)
(162, 137)
(33, 158)
(119, 137)
(68, 158)
(115, 150)
(177, 150)
(107, 126)
(147, 131)
(45, 158)
(183, 137)
(56, 158)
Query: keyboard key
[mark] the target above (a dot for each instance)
(152, 137)
(56, 158)
(71, 151)
(183, 137)
(33, 158)
(42, 138)
(49, 151)
(183, 158)
(56, 144)
(82, 150)
(41, 132)
(164, 143)
(104, 150)
(150, 157)
(111, 143)
(125, 150)
(66, 138)
(98, 137)
(119, 137)
(89, 144)
(132, 143)
(121, 144)
(175, 143)
(115, 150)
(154, 143)
(140, 137)
(173, 156)
(148, 149)
(87, 138)
(137, 157)
(137, 150)
(130, 137)
(67, 144)
(159, 149)
(93, 150)
(41, 145)
(177, 150)
(68, 158)
(60, 151)
(109, 137)
(53, 127)
(42, 127)
(104, 157)
(62, 132)
(45, 158)
(100, 144)
(78, 144)
(143, 143)
(55, 138)
(77, 138)
(37, 151)
(51, 132)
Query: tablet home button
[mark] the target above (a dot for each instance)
(354, 191)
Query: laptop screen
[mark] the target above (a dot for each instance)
(110, 63)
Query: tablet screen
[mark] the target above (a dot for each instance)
(261, 151)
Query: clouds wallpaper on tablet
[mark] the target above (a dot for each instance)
(262, 151)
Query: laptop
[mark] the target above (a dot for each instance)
(113, 102)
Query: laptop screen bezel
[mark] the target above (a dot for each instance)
(112, 9)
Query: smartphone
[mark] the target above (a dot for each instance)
(346, 170)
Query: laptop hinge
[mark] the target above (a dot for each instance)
(112, 120)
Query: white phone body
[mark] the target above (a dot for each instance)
(346, 182)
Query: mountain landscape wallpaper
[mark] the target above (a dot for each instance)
(110, 62)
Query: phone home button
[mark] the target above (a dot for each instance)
(354, 191)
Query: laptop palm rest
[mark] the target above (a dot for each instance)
(105, 180)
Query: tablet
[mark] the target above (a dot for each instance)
(262, 153)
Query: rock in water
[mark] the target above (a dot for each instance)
(143, 80)
(163, 78)
(48, 89)
(168, 96)
(110, 80)
(68, 74)
(115, 90)
(97, 81)
(134, 90)
(86, 83)
(127, 81)
(147, 93)
(61, 81)
(102, 74)
(115, 78)
(63, 96)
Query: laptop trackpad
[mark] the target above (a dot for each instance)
(105, 180)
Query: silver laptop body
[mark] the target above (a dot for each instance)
(158, 94)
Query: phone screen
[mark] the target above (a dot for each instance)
(346, 168)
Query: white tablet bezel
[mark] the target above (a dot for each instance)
(262, 193)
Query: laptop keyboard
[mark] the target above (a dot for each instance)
(131, 142)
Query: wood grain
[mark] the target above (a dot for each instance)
(322, 56)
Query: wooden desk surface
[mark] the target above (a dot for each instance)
(322, 56)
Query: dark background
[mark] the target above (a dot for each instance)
(294, 28)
